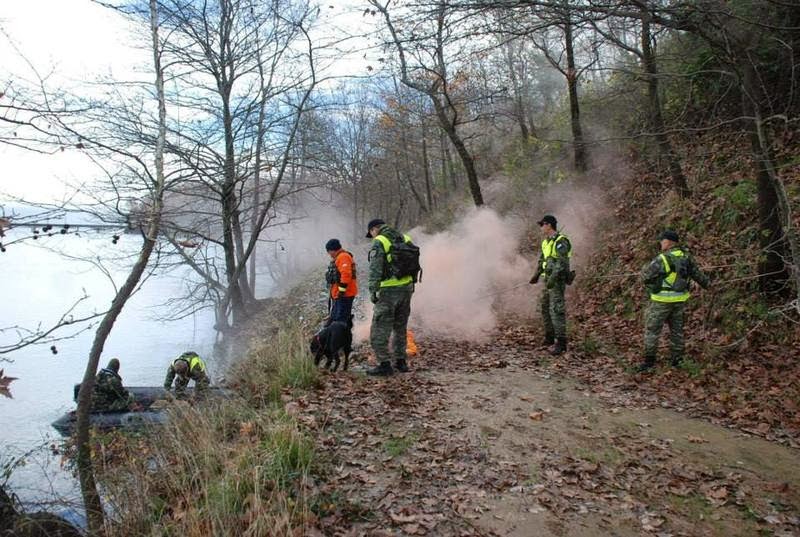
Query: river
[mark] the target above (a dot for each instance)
(38, 285)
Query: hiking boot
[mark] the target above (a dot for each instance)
(648, 364)
(560, 346)
(401, 365)
(548, 340)
(384, 369)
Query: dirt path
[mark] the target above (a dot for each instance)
(492, 440)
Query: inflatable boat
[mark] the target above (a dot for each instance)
(144, 396)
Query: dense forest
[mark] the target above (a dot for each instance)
(623, 118)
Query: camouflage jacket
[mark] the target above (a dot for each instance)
(108, 390)
(196, 374)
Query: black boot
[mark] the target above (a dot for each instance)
(561, 346)
(549, 339)
(401, 365)
(384, 369)
(648, 364)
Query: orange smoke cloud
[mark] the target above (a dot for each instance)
(470, 272)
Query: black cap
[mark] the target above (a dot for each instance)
(333, 245)
(669, 235)
(548, 219)
(372, 223)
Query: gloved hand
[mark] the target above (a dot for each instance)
(342, 290)
(373, 297)
(535, 279)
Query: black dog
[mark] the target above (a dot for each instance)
(329, 341)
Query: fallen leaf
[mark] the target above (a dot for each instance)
(402, 519)
(718, 493)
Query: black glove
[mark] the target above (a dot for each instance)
(535, 279)
(373, 297)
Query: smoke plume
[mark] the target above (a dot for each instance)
(470, 272)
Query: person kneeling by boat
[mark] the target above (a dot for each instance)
(188, 366)
(108, 394)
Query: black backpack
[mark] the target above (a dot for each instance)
(405, 260)
(680, 265)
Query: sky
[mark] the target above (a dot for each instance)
(72, 42)
(69, 42)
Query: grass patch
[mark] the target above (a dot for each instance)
(398, 445)
(693, 369)
(274, 366)
(609, 456)
(223, 468)
(589, 345)
(694, 506)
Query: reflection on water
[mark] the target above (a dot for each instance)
(37, 286)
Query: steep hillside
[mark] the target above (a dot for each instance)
(743, 365)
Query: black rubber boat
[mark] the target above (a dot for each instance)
(145, 396)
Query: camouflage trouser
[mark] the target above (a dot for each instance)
(657, 314)
(200, 384)
(554, 311)
(390, 316)
(109, 404)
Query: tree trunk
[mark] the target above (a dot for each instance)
(426, 166)
(461, 149)
(665, 150)
(519, 105)
(238, 235)
(574, 107)
(771, 267)
(91, 497)
(448, 173)
(253, 227)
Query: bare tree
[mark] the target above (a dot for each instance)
(242, 74)
(646, 53)
(430, 75)
(155, 182)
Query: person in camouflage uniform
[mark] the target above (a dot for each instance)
(108, 394)
(188, 366)
(668, 278)
(554, 264)
(392, 299)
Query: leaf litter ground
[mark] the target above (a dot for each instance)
(500, 439)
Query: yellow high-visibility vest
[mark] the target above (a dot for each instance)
(549, 249)
(667, 294)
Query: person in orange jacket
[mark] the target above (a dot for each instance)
(341, 276)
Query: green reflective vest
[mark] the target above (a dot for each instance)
(393, 282)
(667, 293)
